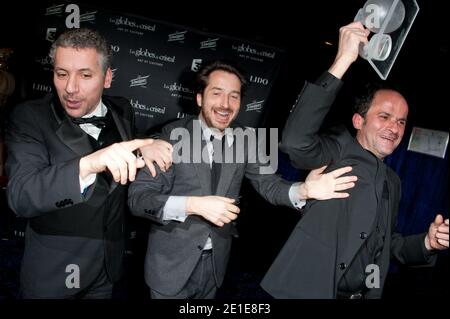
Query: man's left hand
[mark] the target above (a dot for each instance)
(159, 152)
(437, 237)
(327, 186)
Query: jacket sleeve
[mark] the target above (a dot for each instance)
(35, 185)
(148, 195)
(307, 149)
(411, 250)
(271, 187)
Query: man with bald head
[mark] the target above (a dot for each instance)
(342, 249)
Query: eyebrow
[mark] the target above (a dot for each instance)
(390, 115)
(58, 68)
(221, 89)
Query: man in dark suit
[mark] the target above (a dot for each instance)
(193, 204)
(69, 159)
(342, 249)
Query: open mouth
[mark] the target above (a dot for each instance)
(73, 104)
(222, 116)
(389, 139)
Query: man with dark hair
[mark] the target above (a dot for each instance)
(342, 249)
(69, 159)
(194, 203)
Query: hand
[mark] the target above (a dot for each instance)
(118, 158)
(216, 209)
(351, 37)
(160, 152)
(437, 237)
(326, 186)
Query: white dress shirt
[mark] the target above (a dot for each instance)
(175, 207)
(93, 131)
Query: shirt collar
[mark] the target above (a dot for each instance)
(99, 111)
(207, 132)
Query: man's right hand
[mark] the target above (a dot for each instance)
(216, 209)
(351, 37)
(118, 158)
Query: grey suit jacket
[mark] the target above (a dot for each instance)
(174, 248)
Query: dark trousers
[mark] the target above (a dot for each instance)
(101, 288)
(201, 284)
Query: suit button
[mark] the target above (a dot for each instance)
(342, 266)
(363, 235)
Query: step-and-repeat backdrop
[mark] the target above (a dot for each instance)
(155, 62)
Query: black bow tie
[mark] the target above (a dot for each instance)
(99, 122)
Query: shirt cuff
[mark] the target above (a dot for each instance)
(88, 181)
(294, 196)
(428, 254)
(175, 208)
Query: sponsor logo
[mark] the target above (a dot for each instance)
(177, 36)
(42, 87)
(247, 49)
(145, 53)
(209, 44)
(44, 61)
(88, 17)
(178, 88)
(179, 91)
(113, 71)
(259, 80)
(254, 106)
(51, 34)
(181, 115)
(143, 107)
(54, 10)
(140, 81)
(125, 22)
(115, 48)
(196, 64)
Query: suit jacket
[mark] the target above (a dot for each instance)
(174, 248)
(65, 227)
(328, 237)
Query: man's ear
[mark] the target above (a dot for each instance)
(199, 100)
(358, 121)
(108, 79)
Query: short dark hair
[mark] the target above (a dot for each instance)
(84, 38)
(364, 99)
(202, 78)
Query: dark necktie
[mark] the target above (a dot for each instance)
(99, 122)
(217, 159)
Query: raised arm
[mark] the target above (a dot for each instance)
(301, 139)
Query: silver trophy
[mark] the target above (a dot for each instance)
(390, 22)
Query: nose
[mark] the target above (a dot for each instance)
(394, 126)
(72, 85)
(225, 103)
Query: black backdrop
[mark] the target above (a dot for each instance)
(154, 62)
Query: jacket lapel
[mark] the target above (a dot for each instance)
(69, 133)
(122, 124)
